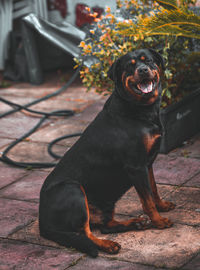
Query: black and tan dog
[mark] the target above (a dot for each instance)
(115, 152)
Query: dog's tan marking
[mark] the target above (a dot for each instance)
(156, 74)
(152, 99)
(133, 61)
(161, 205)
(149, 208)
(96, 215)
(142, 58)
(126, 85)
(126, 223)
(105, 245)
(149, 141)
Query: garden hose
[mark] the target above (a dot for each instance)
(45, 115)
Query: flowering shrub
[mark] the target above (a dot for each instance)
(116, 34)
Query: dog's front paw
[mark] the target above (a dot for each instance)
(165, 206)
(162, 223)
(142, 223)
(110, 247)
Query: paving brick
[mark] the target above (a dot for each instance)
(49, 86)
(15, 214)
(28, 90)
(26, 189)
(57, 129)
(184, 213)
(9, 175)
(184, 217)
(4, 107)
(31, 234)
(175, 170)
(90, 112)
(169, 248)
(23, 256)
(67, 143)
(193, 182)
(28, 151)
(194, 264)
(4, 142)
(101, 263)
(18, 100)
(54, 104)
(173, 247)
(14, 127)
(74, 124)
(73, 98)
(187, 205)
(130, 203)
(78, 94)
(129, 206)
(186, 198)
(191, 149)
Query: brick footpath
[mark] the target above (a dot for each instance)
(21, 247)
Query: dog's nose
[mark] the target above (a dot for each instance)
(143, 70)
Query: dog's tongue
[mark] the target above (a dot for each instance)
(145, 87)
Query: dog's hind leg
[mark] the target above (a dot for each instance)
(72, 240)
(62, 217)
(105, 245)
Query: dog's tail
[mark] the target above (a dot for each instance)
(72, 240)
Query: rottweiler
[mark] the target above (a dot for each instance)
(115, 153)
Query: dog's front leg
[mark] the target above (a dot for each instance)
(162, 206)
(140, 179)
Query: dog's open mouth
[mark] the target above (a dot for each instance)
(146, 86)
(141, 86)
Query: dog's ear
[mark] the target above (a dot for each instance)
(112, 71)
(158, 58)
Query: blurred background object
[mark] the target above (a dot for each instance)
(58, 12)
(10, 10)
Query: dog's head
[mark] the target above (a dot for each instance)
(137, 75)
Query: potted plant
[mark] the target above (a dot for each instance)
(171, 28)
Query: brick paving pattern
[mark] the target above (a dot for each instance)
(21, 247)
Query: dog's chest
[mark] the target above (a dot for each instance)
(151, 140)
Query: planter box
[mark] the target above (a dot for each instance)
(181, 121)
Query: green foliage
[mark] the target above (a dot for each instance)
(172, 22)
(149, 25)
(169, 4)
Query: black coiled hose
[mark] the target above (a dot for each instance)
(45, 115)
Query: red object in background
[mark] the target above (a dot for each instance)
(60, 5)
(83, 16)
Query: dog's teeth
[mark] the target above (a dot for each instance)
(145, 87)
(149, 88)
